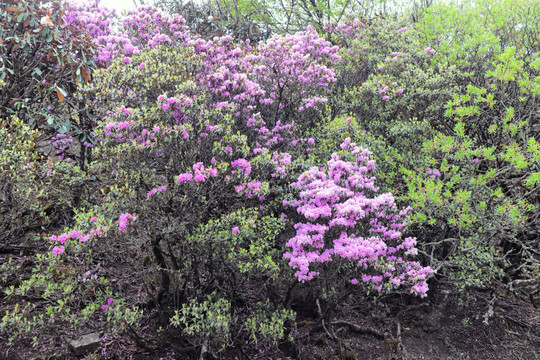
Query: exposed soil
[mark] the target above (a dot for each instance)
(438, 328)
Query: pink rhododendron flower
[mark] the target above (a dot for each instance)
(235, 230)
(199, 177)
(62, 238)
(155, 191)
(123, 221)
(184, 177)
(57, 250)
(244, 164)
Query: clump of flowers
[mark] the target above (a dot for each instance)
(343, 221)
(124, 220)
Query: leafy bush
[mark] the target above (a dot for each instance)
(228, 183)
(42, 63)
(454, 124)
(36, 192)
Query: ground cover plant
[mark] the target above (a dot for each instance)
(329, 190)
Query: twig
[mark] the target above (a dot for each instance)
(323, 322)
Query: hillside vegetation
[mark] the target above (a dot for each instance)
(254, 180)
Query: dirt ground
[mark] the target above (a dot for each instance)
(439, 327)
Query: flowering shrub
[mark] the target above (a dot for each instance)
(344, 223)
(140, 29)
(228, 183)
(179, 152)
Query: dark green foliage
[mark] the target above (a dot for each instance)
(42, 62)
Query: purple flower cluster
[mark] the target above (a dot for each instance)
(433, 173)
(343, 222)
(199, 175)
(155, 191)
(124, 220)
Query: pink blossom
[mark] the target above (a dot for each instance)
(244, 164)
(235, 230)
(199, 177)
(57, 250)
(123, 221)
(184, 177)
(62, 238)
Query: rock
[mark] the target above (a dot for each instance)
(85, 344)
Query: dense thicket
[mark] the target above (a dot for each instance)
(206, 183)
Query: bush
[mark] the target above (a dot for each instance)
(454, 124)
(36, 192)
(42, 63)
